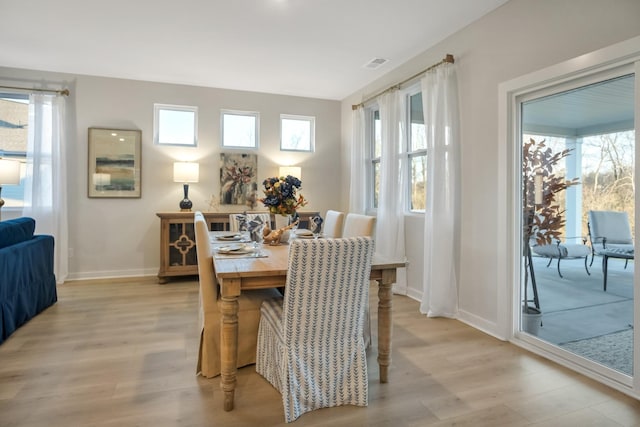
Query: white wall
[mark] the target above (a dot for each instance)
(520, 37)
(120, 237)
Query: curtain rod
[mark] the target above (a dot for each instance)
(447, 60)
(64, 92)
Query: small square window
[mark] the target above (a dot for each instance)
(175, 125)
(240, 129)
(297, 133)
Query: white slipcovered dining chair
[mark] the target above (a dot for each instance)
(333, 222)
(209, 311)
(361, 225)
(310, 344)
(358, 225)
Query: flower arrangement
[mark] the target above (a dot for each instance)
(281, 195)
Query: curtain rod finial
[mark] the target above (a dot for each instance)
(64, 92)
(449, 58)
(355, 106)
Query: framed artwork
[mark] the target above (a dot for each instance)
(114, 163)
(175, 125)
(238, 178)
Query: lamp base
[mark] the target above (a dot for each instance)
(185, 204)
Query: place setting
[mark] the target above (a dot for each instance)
(239, 250)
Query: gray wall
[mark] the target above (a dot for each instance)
(520, 37)
(120, 237)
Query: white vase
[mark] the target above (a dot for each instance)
(283, 221)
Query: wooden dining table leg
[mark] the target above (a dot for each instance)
(229, 341)
(384, 321)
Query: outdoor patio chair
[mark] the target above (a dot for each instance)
(560, 251)
(610, 234)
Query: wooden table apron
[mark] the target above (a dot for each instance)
(234, 275)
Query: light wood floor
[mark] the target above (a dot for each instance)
(123, 353)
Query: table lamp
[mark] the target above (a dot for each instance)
(186, 172)
(295, 171)
(9, 175)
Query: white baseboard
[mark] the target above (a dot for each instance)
(112, 274)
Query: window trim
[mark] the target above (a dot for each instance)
(372, 160)
(157, 108)
(254, 114)
(408, 154)
(312, 132)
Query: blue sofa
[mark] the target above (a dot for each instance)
(27, 282)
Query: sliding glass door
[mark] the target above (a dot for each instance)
(577, 152)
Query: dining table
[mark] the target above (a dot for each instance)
(265, 266)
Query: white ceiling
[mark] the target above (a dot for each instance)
(314, 48)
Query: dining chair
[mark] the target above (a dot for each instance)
(310, 343)
(333, 222)
(235, 222)
(361, 225)
(209, 310)
(358, 225)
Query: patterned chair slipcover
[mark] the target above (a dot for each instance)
(310, 343)
(234, 221)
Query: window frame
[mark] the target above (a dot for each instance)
(256, 136)
(311, 120)
(408, 153)
(158, 108)
(20, 156)
(372, 159)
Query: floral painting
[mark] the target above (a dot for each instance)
(237, 178)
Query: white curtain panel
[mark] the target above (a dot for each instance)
(441, 247)
(45, 194)
(358, 185)
(391, 198)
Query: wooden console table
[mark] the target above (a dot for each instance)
(178, 241)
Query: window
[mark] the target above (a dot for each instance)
(14, 130)
(240, 129)
(414, 154)
(297, 133)
(175, 125)
(417, 153)
(376, 152)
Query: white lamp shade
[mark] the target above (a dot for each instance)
(9, 172)
(291, 170)
(186, 172)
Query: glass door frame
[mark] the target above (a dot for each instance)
(622, 58)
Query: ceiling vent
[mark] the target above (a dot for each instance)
(375, 63)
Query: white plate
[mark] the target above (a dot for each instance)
(235, 249)
(304, 233)
(229, 237)
(305, 236)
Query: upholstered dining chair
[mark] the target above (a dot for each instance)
(209, 311)
(358, 225)
(234, 222)
(333, 222)
(310, 344)
(361, 225)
